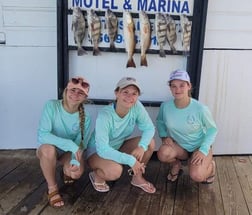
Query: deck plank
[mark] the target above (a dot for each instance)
(210, 193)
(232, 195)
(23, 190)
(243, 167)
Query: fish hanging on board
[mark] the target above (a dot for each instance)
(94, 30)
(129, 37)
(78, 28)
(171, 32)
(145, 36)
(186, 28)
(111, 25)
(161, 28)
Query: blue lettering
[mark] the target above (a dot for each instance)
(120, 25)
(88, 5)
(154, 40)
(77, 3)
(161, 5)
(152, 6)
(113, 6)
(175, 6)
(142, 5)
(168, 5)
(185, 8)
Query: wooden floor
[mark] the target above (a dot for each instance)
(23, 189)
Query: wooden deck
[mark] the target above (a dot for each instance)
(23, 188)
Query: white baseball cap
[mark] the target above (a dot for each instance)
(126, 81)
(179, 75)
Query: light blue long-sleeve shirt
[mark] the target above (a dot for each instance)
(60, 128)
(192, 127)
(111, 131)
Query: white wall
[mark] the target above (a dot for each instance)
(28, 68)
(226, 73)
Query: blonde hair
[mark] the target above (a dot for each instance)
(81, 118)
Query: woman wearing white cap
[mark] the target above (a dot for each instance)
(187, 130)
(110, 145)
(63, 134)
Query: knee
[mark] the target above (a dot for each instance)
(114, 172)
(196, 176)
(46, 151)
(163, 154)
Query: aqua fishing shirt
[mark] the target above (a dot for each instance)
(60, 128)
(111, 131)
(192, 127)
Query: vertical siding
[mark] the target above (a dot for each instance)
(226, 77)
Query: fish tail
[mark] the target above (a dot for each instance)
(131, 63)
(112, 47)
(81, 51)
(96, 51)
(144, 60)
(162, 53)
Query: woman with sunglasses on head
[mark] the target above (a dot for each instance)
(111, 144)
(63, 133)
(187, 130)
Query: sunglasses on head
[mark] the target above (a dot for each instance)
(79, 80)
(130, 79)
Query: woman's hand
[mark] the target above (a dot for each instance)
(78, 155)
(168, 141)
(197, 158)
(138, 153)
(138, 168)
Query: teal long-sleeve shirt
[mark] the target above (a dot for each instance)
(111, 131)
(192, 127)
(60, 128)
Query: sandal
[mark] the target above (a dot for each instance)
(174, 176)
(56, 200)
(147, 187)
(211, 178)
(100, 187)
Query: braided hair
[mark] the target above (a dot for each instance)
(82, 123)
(81, 118)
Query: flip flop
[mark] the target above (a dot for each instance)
(100, 187)
(173, 177)
(145, 187)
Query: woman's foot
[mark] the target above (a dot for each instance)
(143, 184)
(174, 171)
(54, 198)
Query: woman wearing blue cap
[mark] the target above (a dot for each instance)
(112, 146)
(187, 130)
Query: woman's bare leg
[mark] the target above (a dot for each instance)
(48, 158)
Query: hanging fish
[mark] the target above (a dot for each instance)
(129, 37)
(78, 28)
(161, 28)
(111, 26)
(186, 27)
(171, 32)
(94, 30)
(145, 36)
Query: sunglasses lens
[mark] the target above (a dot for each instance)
(85, 85)
(75, 81)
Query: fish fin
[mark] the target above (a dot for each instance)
(162, 53)
(112, 47)
(144, 61)
(131, 63)
(96, 52)
(81, 51)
